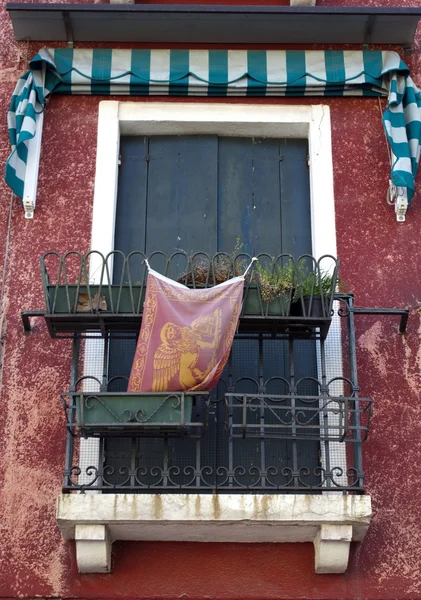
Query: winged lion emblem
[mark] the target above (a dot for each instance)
(180, 351)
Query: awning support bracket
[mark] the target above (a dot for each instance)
(397, 196)
(69, 28)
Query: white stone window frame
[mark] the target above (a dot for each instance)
(165, 118)
(87, 518)
(157, 118)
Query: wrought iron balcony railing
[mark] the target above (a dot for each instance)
(261, 414)
(286, 416)
(300, 417)
(281, 293)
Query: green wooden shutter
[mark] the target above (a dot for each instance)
(203, 193)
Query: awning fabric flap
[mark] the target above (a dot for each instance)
(221, 73)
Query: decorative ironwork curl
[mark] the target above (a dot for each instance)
(344, 307)
(222, 478)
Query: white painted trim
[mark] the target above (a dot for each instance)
(322, 203)
(106, 181)
(159, 118)
(302, 2)
(30, 187)
(179, 118)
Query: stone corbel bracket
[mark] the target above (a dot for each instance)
(93, 549)
(331, 548)
(331, 521)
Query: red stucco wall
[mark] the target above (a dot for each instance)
(380, 262)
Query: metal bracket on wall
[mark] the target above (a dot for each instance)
(368, 31)
(403, 312)
(26, 315)
(69, 28)
(398, 197)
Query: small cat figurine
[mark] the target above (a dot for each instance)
(98, 303)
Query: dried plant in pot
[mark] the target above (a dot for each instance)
(206, 271)
(272, 292)
(269, 287)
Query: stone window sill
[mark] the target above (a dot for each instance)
(330, 520)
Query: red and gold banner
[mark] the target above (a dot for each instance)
(186, 335)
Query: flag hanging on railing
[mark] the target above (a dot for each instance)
(186, 335)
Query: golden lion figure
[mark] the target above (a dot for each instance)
(180, 351)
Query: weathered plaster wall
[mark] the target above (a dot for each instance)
(380, 261)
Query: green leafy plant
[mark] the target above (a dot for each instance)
(315, 282)
(276, 281)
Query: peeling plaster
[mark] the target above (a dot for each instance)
(371, 342)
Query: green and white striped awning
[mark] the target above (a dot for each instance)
(221, 73)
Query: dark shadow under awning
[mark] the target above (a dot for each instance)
(213, 24)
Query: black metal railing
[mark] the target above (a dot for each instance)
(248, 415)
(280, 292)
(324, 417)
(286, 416)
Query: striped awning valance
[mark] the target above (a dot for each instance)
(221, 73)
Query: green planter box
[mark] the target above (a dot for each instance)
(63, 299)
(312, 307)
(119, 300)
(254, 305)
(134, 413)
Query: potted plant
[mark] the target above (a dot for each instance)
(73, 291)
(314, 291)
(93, 298)
(273, 291)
